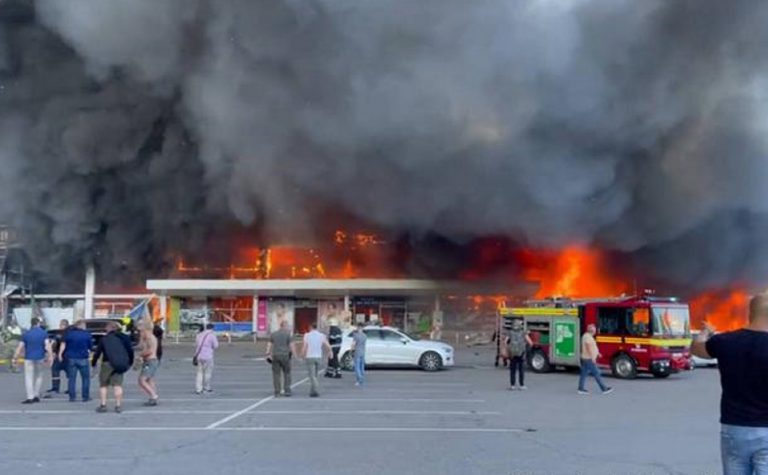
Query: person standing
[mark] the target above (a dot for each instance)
(206, 345)
(517, 343)
(59, 365)
(314, 344)
(37, 352)
(279, 351)
(589, 355)
(74, 349)
(742, 359)
(149, 363)
(116, 353)
(334, 339)
(359, 340)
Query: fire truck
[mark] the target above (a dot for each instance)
(634, 334)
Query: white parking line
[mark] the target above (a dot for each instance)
(350, 399)
(125, 411)
(385, 412)
(268, 429)
(249, 408)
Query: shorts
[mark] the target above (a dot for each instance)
(108, 377)
(149, 369)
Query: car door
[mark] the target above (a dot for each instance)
(398, 347)
(374, 351)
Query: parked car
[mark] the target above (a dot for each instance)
(701, 362)
(98, 328)
(387, 346)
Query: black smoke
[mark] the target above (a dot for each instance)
(131, 128)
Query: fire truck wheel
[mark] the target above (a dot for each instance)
(539, 362)
(347, 363)
(430, 361)
(661, 375)
(624, 367)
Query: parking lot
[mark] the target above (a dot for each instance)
(459, 421)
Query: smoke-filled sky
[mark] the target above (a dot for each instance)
(131, 127)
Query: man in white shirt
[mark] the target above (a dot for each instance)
(314, 344)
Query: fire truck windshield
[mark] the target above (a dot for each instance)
(671, 321)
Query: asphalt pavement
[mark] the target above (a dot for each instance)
(460, 421)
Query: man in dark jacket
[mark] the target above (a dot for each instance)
(59, 365)
(334, 339)
(116, 355)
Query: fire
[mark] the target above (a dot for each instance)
(572, 272)
(724, 310)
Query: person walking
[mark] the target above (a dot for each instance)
(516, 345)
(589, 356)
(36, 348)
(116, 354)
(314, 345)
(74, 349)
(206, 344)
(149, 363)
(359, 340)
(279, 351)
(742, 359)
(334, 339)
(59, 365)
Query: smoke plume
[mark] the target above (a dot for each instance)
(132, 127)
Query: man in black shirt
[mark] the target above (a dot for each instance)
(742, 357)
(116, 353)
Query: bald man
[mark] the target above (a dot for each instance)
(742, 358)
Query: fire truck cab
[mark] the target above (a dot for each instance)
(634, 334)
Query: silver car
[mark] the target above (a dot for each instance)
(387, 346)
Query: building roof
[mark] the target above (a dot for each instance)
(313, 287)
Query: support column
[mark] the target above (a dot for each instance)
(90, 285)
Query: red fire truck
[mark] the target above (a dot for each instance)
(634, 334)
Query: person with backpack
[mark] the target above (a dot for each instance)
(116, 354)
(518, 341)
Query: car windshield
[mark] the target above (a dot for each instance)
(671, 322)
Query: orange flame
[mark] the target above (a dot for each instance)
(572, 272)
(725, 310)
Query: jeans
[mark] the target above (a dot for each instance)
(517, 365)
(281, 373)
(204, 375)
(81, 366)
(589, 368)
(57, 368)
(33, 378)
(744, 450)
(359, 368)
(313, 367)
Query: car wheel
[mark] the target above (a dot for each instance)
(347, 362)
(624, 367)
(540, 362)
(430, 361)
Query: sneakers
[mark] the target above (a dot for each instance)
(102, 408)
(36, 399)
(28, 401)
(313, 394)
(607, 391)
(513, 388)
(583, 392)
(199, 393)
(151, 403)
(118, 409)
(288, 394)
(523, 388)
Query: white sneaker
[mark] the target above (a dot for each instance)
(523, 388)
(583, 392)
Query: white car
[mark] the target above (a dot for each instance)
(387, 346)
(700, 362)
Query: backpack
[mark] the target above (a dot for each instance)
(516, 344)
(116, 354)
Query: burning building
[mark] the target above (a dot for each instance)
(485, 142)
